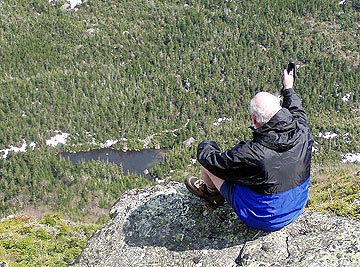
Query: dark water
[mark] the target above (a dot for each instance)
(131, 161)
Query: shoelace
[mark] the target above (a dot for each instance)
(200, 184)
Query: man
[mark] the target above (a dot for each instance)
(266, 179)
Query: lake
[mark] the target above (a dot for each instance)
(135, 162)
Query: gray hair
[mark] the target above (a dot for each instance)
(259, 113)
(264, 110)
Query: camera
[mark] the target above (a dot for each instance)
(291, 67)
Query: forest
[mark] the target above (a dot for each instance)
(154, 73)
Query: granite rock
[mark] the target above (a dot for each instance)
(165, 225)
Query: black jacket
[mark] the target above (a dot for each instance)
(276, 160)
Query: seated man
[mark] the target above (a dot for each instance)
(265, 180)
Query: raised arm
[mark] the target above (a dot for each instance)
(291, 100)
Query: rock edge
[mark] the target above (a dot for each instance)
(167, 226)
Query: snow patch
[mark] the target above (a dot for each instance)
(32, 145)
(59, 138)
(328, 135)
(21, 149)
(351, 157)
(220, 120)
(109, 143)
(74, 3)
(192, 162)
(70, 4)
(262, 47)
(346, 97)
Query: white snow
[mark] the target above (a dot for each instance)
(220, 120)
(15, 149)
(109, 143)
(59, 138)
(159, 181)
(262, 47)
(342, 2)
(346, 97)
(328, 135)
(351, 157)
(74, 3)
(192, 162)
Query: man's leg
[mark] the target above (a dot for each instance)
(210, 179)
(216, 184)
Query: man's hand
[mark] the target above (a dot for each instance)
(288, 79)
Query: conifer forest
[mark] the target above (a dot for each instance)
(152, 74)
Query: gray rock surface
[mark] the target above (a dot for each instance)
(167, 226)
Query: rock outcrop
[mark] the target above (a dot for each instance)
(167, 226)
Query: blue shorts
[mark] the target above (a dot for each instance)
(267, 212)
(227, 191)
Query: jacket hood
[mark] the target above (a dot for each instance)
(281, 132)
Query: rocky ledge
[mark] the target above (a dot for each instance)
(167, 226)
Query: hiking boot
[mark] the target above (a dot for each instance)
(200, 189)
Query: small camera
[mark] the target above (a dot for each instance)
(291, 67)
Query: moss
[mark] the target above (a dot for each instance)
(51, 220)
(48, 241)
(335, 188)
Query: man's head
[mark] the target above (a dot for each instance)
(262, 107)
